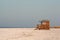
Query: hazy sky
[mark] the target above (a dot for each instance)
(27, 13)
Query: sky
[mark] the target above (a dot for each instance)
(28, 13)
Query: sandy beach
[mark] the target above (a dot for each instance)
(29, 34)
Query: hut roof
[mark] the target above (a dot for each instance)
(45, 21)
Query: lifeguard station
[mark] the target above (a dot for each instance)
(45, 24)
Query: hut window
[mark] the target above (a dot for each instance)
(44, 23)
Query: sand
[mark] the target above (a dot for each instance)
(29, 34)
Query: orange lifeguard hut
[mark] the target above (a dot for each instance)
(45, 24)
